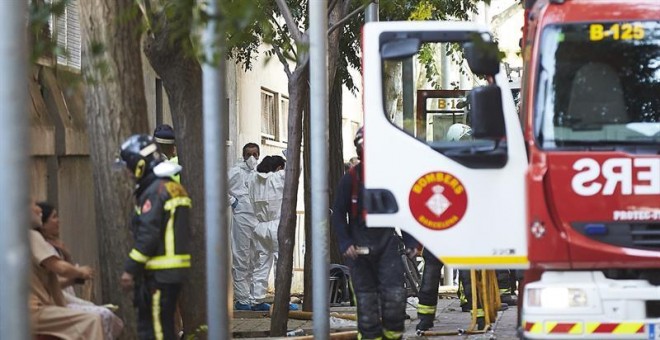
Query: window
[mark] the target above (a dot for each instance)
(269, 121)
(284, 118)
(440, 119)
(274, 116)
(598, 89)
(65, 29)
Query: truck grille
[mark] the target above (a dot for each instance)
(645, 235)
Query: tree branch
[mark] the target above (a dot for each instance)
(285, 63)
(346, 18)
(290, 22)
(279, 31)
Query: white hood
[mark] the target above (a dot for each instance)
(167, 169)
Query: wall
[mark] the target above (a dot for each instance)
(61, 170)
(352, 115)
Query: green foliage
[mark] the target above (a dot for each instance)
(391, 10)
(248, 24)
(424, 11)
(426, 57)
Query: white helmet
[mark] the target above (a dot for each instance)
(458, 132)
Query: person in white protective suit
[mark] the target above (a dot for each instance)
(266, 190)
(242, 229)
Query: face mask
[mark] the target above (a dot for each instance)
(251, 162)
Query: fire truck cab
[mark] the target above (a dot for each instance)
(591, 113)
(569, 190)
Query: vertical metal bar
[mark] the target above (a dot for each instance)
(371, 13)
(219, 294)
(448, 277)
(318, 74)
(446, 84)
(15, 258)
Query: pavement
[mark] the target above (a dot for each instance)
(449, 320)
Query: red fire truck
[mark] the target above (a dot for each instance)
(569, 190)
(591, 115)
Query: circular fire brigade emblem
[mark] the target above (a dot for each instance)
(438, 200)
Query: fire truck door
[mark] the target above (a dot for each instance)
(454, 188)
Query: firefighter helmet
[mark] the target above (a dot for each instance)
(140, 154)
(458, 132)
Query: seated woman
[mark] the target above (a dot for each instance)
(50, 229)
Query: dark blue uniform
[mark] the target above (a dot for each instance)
(160, 257)
(378, 276)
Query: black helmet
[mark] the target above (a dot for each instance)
(139, 153)
(359, 141)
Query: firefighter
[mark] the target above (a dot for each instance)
(428, 291)
(164, 138)
(159, 261)
(377, 271)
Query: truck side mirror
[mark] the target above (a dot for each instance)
(482, 57)
(400, 48)
(487, 115)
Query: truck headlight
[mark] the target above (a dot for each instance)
(556, 297)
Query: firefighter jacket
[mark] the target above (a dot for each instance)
(348, 216)
(160, 230)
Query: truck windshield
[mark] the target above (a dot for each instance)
(598, 84)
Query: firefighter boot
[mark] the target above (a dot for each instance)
(368, 312)
(425, 322)
(394, 310)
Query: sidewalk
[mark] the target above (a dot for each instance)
(449, 319)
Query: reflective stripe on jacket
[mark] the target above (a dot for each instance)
(161, 232)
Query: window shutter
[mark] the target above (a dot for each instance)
(60, 32)
(66, 30)
(74, 43)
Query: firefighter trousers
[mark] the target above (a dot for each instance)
(428, 291)
(156, 305)
(378, 283)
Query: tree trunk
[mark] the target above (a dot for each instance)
(336, 153)
(308, 285)
(298, 101)
(182, 79)
(335, 112)
(393, 92)
(116, 108)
